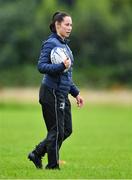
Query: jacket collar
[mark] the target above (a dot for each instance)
(65, 41)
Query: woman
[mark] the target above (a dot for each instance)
(53, 97)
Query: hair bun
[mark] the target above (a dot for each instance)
(56, 13)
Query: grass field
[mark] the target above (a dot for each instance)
(100, 146)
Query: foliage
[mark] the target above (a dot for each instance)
(101, 38)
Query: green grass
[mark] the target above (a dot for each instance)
(100, 146)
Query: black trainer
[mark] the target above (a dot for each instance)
(36, 160)
(52, 168)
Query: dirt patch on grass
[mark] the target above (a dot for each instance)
(30, 95)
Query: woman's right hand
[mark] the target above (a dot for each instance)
(67, 63)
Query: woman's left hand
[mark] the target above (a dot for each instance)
(80, 101)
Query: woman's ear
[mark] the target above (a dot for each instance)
(57, 25)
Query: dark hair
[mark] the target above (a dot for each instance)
(57, 16)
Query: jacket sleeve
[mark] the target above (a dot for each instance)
(74, 91)
(44, 63)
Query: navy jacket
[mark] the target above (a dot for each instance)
(55, 77)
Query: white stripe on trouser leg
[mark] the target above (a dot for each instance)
(56, 125)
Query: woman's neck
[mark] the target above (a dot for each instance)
(61, 36)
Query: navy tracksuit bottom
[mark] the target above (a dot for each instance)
(56, 110)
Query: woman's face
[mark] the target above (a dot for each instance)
(64, 28)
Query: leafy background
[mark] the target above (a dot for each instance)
(101, 41)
